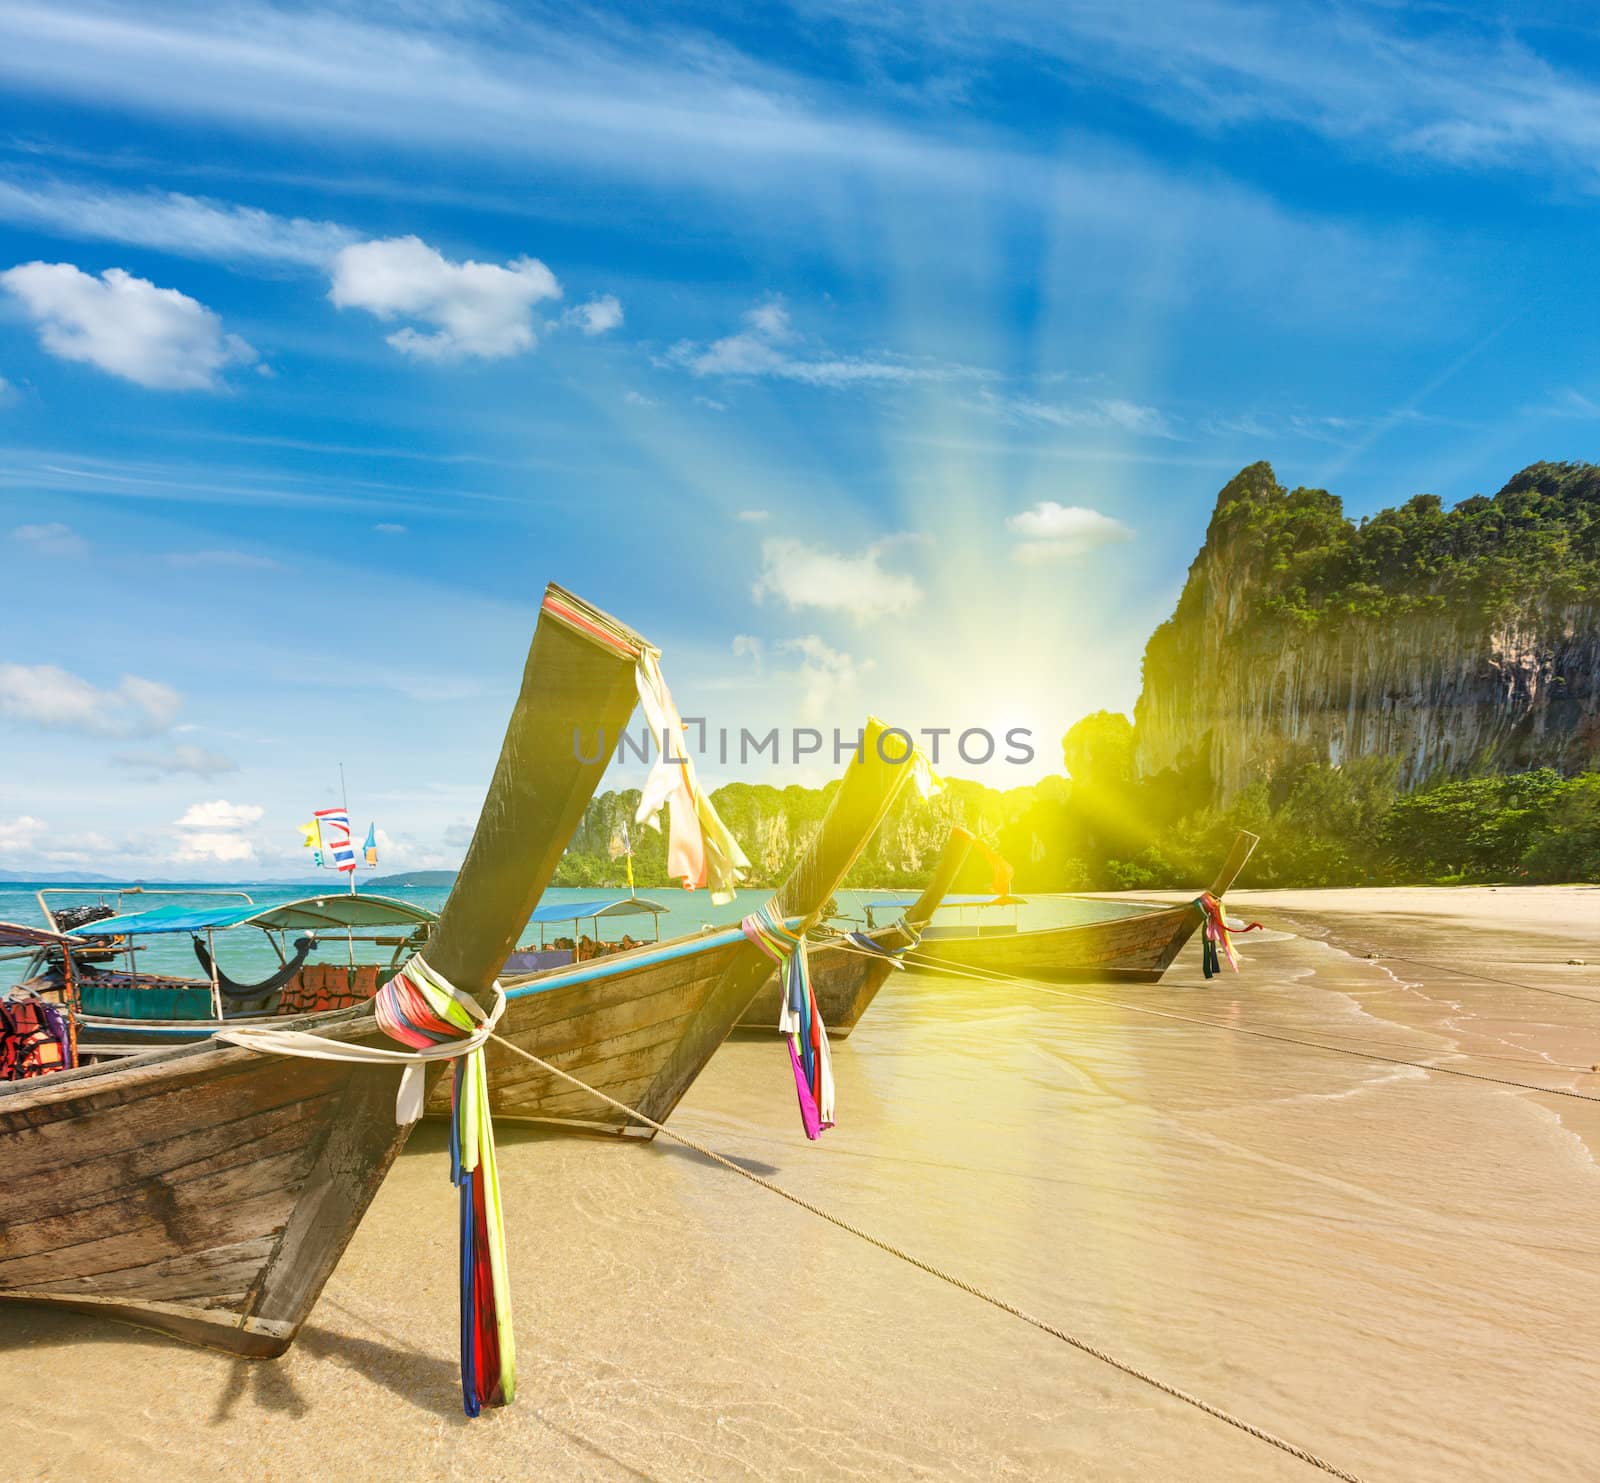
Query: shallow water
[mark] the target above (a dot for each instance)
(246, 953)
(1395, 1267)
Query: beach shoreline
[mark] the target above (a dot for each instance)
(1391, 1265)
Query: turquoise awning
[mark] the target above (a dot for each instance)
(595, 906)
(311, 914)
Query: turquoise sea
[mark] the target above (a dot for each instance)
(245, 951)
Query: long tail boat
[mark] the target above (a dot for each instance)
(208, 1191)
(640, 1025)
(1138, 943)
(848, 970)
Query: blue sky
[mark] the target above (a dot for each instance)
(867, 357)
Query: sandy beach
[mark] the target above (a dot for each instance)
(1397, 1268)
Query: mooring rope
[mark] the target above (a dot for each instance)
(990, 977)
(1293, 1449)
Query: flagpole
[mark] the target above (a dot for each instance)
(344, 798)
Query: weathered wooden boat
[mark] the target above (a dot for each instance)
(1134, 941)
(123, 1008)
(208, 1191)
(641, 1025)
(848, 969)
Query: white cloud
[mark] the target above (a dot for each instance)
(126, 326)
(747, 645)
(637, 399)
(1104, 414)
(388, 528)
(761, 349)
(224, 847)
(170, 223)
(51, 539)
(243, 560)
(20, 833)
(220, 814)
(770, 320)
(43, 695)
(476, 309)
(803, 576)
(186, 760)
(753, 517)
(1050, 532)
(826, 675)
(597, 316)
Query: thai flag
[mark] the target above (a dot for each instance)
(334, 824)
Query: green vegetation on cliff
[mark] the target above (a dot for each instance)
(1284, 645)
(1107, 830)
(1297, 558)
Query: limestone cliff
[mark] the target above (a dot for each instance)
(1453, 642)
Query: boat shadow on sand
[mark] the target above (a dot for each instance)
(428, 1382)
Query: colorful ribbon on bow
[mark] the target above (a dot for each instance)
(701, 849)
(1215, 941)
(871, 945)
(799, 1019)
(419, 1009)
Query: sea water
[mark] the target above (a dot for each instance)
(245, 952)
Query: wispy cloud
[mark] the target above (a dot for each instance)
(826, 676)
(126, 326)
(1455, 86)
(51, 539)
(189, 226)
(180, 761)
(224, 558)
(47, 696)
(21, 833)
(1101, 414)
(1054, 532)
(769, 346)
(855, 584)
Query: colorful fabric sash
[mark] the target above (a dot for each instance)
(872, 945)
(799, 1018)
(419, 1009)
(1001, 873)
(1215, 942)
(439, 1022)
(700, 847)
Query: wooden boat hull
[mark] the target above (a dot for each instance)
(845, 981)
(640, 1026)
(1138, 948)
(205, 1192)
(617, 1029)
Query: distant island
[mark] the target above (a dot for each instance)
(410, 880)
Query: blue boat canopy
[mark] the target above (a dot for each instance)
(899, 903)
(313, 914)
(595, 906)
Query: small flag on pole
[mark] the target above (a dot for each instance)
(337, 846)
(370, 848)
(308, 834)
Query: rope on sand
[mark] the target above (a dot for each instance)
(1293, 1449)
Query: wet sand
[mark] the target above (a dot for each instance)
(1398, 1268)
